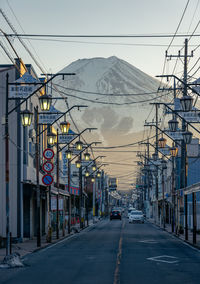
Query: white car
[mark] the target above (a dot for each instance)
(130, 210)
(136, 216)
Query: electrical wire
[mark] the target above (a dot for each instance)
(110, 103)
(103, 94)
(105, 36)
(104, 43)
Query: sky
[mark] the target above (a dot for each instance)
(103, 17)
(100, 17)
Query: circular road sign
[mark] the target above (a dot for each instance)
(47, 179)
(48, 154)
(48, 167)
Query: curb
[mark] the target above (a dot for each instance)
(176, 236)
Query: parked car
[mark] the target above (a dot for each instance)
(115, 214)
(136, 216)
(130, 210)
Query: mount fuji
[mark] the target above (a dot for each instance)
(117, 95)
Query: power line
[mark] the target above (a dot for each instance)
(175, 34)
(111, 103)
(104, 36)
(125, 145)
(104, 43)
(107, 94)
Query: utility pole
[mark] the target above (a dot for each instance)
(156, 155)
(37, 158)
(94, 200)
(69, 199)
(8, 247)
(58, 185)
(183, 174)
(81, 193)
(156, 152)
(183, 146)
(148, 179)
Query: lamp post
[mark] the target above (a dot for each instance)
(26, 119)
(173, 151)
(79, 145)
(69, 155)
(164, 167)
(162, 142)
(81, 184)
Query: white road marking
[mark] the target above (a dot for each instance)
(148, 242)
(164, 258)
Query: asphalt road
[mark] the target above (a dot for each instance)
(111, 252)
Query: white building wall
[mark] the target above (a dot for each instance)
(28, 172)
(12, 158)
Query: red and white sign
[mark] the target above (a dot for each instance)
(47, 179)
(48, 154)
(48, 167)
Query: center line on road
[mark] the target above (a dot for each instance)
(117, 273)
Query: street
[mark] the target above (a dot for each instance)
(111, 252)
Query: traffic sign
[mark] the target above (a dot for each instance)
(48, 154)
(48, 166)
(47, 179)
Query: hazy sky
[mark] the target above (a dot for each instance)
(100, 17)
(103, 17)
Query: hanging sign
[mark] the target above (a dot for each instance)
(85, 163)
(48, 154)
(48, 167)
(47, 179)
(49, 116)
(75, 151)
(191, 116)
(175, 135)
(23, 91)
(65, 138)
(165, 151)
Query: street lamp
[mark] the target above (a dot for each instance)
(87, 173)
(87, 156)
(186, 103)
(94, 167)
(154, 156)
(173, 125)
(98, 174)
(162, 142)
(26, 117)
(92, 179)
(187, 137)
(45, 102)
(164, 164)
(79, 145)
(64, 126)
(174, 151)
(51, 138)
(68, 154)
(78, 164)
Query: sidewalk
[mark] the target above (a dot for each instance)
(30, 246)
(180, 236)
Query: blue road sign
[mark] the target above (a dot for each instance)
(47, 179)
